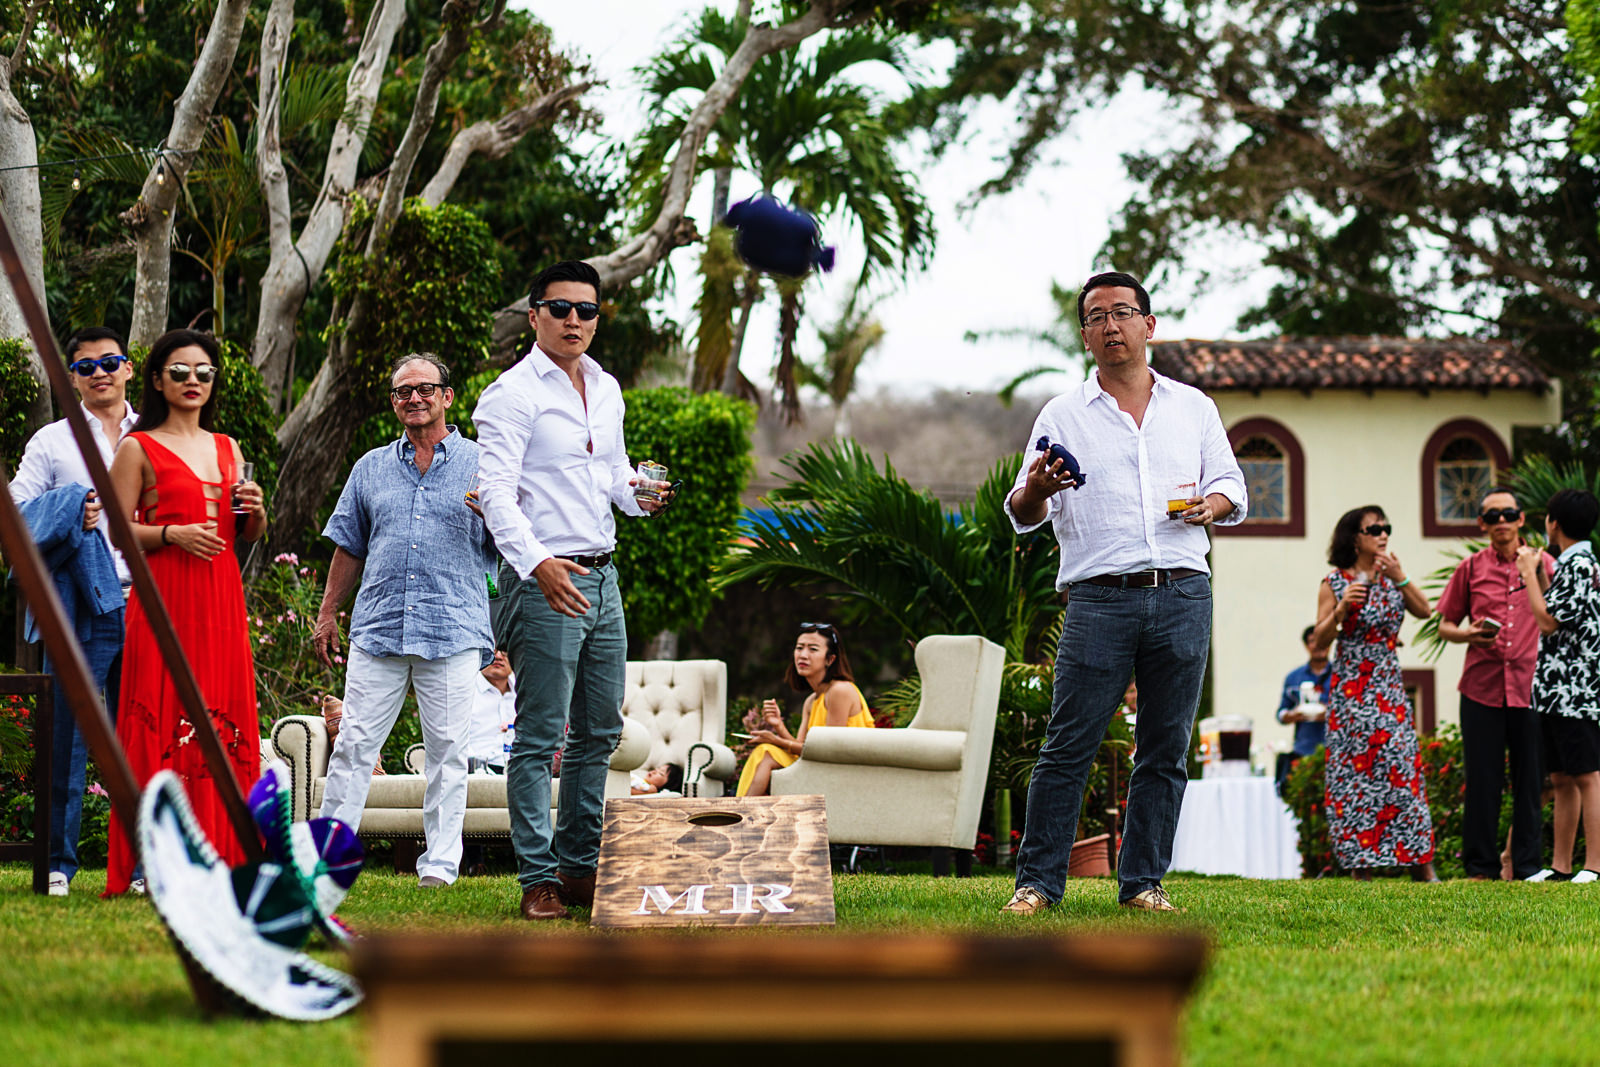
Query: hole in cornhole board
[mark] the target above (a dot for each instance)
(724, 861)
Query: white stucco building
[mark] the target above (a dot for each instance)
(1419, 428)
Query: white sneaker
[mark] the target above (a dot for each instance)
(136, 887)
(59, 886)
(1585, 875)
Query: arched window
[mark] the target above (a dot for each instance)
(1274, 470)
(1460, 463)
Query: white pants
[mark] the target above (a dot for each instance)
(375, 689)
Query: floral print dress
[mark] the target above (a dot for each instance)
(1376, 803)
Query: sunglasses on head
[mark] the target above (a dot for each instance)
(824, 628)
(1378, 529)
(1493, 516)
(179, 372)
(425, 390)
(87, 367)
(560, 309)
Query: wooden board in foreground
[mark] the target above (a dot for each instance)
(724, 861)
(857, 1001)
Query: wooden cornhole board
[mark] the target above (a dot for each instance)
(725, 861)
(776, 998)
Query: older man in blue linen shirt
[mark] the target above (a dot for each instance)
(1139, 588)
(52, 464)
(554, 465)
(421, 619)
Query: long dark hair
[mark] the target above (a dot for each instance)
(153, 410)
(1342, 548)
(839, 668)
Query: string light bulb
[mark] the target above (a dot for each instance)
(77, 179)
(161, 172)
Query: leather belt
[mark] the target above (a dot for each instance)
(1142, 579)
(589, 561)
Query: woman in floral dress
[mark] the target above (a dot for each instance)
(1376, 803)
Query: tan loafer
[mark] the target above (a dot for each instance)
(1152, 899)
(1026, 901)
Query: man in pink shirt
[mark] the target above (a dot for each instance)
(1485, 608)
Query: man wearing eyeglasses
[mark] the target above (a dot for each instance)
(404, 529)
(1485, 608)
(1157, 470)
(52, 488)
(554, 466)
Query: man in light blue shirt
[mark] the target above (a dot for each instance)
(404, 530)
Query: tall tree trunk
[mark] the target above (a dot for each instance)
(747, 302)
(19, 198)
(151, 217)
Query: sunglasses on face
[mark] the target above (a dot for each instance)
(560, 309)
(87, 367)
(1494, 516)
(1120, 313)
(1378, 529)
(179, 372)
(425, 390)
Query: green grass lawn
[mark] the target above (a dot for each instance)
(1304, 972)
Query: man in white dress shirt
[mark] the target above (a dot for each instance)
(1139, 588)
(494, 717)
(553, 466)
(52, 464)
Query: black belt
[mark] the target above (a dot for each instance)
(589, 561)
(1142, 579)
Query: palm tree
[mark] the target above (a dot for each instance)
(1061, 335)
(808, 134)
(846, 344)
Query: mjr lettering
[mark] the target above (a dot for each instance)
(745, 898)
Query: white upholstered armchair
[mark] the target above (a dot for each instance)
(922, 785)
(683, 704)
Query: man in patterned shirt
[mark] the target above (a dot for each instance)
(1566, 682)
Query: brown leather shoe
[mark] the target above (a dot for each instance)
(576, 892)
(542, 902)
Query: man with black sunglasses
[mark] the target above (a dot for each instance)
(53, 489)
(405, 529)
(554, 466)
(1483, 607)
(1158, 470)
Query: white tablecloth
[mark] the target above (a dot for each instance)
(1236, 826)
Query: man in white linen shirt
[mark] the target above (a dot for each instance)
(1139, 590)
(52, 463)
(554, 463)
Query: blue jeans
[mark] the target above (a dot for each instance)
(1161, 636)
(69, 754)
(570, 675)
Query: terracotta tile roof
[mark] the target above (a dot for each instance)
(1347, 363)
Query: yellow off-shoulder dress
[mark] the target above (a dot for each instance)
(819, 717)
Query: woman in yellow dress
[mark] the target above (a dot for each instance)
(820, 668)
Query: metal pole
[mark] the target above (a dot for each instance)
(41, 593)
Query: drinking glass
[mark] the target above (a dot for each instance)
(649, 471)
(247, 472)
(1178, 499)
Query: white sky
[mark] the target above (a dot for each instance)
(991, 269)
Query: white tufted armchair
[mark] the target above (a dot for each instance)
(683, 704)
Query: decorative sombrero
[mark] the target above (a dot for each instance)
(324, 854)
(241, 928)
(777, 239)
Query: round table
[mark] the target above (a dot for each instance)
(1236, 826)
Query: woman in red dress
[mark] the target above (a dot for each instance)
(175, 478)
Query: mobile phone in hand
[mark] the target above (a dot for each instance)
(1490, 626)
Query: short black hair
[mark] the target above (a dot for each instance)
(1342, 547)
(1575, 510)
(1506, 489)
(153, 410)
(674, 777)
(1305, 635)
(422, 357)
(568, 270)
(93, 333)
(1114, 279)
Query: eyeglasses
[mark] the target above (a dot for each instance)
(179, 372)
(824, 628)
(1494, 516)
(1120, 313)
(562, 308)
(1378, 529)
(87, 367)
(425, 390)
